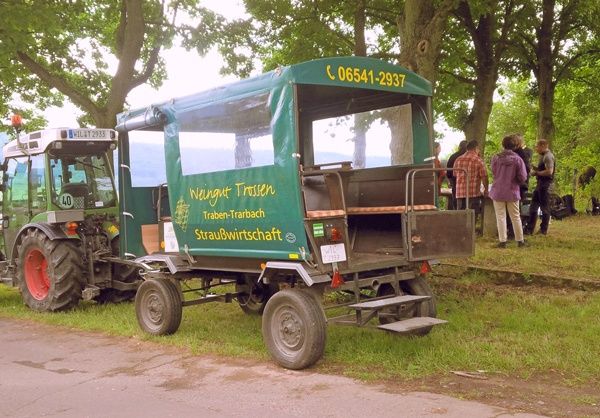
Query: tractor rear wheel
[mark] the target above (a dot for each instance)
(49, 273)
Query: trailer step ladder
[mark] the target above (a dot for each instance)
(368, 310)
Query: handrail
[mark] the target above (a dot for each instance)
(410, 180)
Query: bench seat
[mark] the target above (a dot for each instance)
(368, 210)
(364, 210)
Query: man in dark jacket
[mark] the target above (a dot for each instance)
(462, 148)
(544, 172)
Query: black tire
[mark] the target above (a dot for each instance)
(294, 329)
(417, 287)
(122, 273)
(49, 273)
(158, 307)
(253, 302)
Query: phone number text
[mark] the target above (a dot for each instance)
(364, 76)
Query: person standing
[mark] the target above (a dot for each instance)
(437, 148)
(523, 151)
(544, 173)
(462, 148)
(472, 164)
(509, 173)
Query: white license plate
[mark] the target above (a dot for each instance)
(89, 134)
(333, 253)
(171, 245)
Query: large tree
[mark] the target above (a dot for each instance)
(94, 52)
(557, 35)
(475, 54)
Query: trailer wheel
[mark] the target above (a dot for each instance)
(48, 272)
(158, 307)
(417, 287)
(253, 300)
(294, 329)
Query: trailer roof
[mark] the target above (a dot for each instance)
(349, 72)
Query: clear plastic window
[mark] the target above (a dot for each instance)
(227, 135)
(376, 138)
(147, 158)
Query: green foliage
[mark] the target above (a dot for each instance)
(281, 32)
(515, 111)
(577, 118)
(92, 51)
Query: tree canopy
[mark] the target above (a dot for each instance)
(497, 65)
(93, 52)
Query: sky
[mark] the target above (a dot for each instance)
(187, 72)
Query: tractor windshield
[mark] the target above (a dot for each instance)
(81, 182)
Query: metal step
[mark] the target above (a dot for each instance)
(393, 301)
(412, 324)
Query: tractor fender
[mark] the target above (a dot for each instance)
(52, 231)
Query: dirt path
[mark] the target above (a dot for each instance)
(58, 372)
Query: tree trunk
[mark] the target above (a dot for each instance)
(421, 27)
(545, 72)
(475, 127)
(488, 53)
(360, 50)
(400, 123)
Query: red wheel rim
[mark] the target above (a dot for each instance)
(36, 274)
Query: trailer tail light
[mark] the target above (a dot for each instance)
(425, 267)
(71, 228)
(336, 280)
(335, 235)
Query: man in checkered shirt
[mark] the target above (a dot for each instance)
(472, 163)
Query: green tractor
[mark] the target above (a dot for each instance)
(60, 219)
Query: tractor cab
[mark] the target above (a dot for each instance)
(60, 225)
(52, 171)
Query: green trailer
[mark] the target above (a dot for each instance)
(311, 178)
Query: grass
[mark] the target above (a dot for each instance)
(513, 332)
(569, 250)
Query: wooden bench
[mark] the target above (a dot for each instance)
(368, 210)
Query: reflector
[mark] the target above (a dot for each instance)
(336, 280)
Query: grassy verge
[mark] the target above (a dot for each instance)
(569, 250)
(515, 332)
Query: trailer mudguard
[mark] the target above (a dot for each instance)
(273, 268)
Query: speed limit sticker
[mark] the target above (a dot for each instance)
(65, 200)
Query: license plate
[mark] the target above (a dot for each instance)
(333, 253)
(89, 134)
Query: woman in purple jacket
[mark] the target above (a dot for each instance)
(509, 173)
